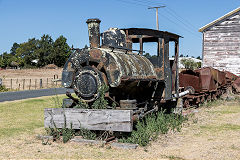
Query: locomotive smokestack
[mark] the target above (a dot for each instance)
(94, 32)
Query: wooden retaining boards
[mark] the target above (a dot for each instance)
(92, 119)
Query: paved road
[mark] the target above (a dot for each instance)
(11, 96)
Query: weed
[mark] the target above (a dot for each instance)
(69, 133)
(81, 104)
(171, 157)
(101, 102)
(56, 100)
(86, 134)
(150, 127)
(46, 142)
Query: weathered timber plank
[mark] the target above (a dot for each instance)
(92, 119)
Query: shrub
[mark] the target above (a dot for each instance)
(3, 89)
(151, 126)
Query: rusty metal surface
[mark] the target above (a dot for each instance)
(193, 80)
(114, 37)
(131, 65)
(206, 78)
(236, 85)
(230, 76)
(94, 32)
(218, 76)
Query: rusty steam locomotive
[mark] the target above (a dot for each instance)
(134, 81)
(137, 85)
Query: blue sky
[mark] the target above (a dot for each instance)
(24, 19)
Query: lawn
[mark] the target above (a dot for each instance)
(24, 116)
(211, 133)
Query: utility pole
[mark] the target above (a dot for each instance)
(156, 14)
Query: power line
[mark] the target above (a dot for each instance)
(144, 3)
(170, 11)
(186, 29)
(157, 24)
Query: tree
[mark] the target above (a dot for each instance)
(190, 64)
(44, 49)
(14, 48)
(27, 52)
(1, 62)
(147, 55)
(199, 58)
(61, 51)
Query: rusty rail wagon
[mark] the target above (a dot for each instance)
(137, 85)
(208, 84)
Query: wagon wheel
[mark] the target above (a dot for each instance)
(186, 103)
(198, 100)
(209, 97)
(202, 99)
(214, 96)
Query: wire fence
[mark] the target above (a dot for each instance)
(30, 83)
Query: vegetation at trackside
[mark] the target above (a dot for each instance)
(145, 130)
(152, 126)
(37, 53)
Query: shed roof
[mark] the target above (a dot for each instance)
(219, 19)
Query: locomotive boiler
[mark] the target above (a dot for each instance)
(134, 81)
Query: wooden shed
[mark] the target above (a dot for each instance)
(221, 43)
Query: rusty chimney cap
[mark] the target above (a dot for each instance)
(93, 20)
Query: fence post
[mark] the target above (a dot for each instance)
(52, 83)
(11, 83)
(1, 83)
(40, 83)
(23, 83)
(35, 83)
(30, 81)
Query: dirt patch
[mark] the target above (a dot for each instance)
(25, 79)
(212, 133)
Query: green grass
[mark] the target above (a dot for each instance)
(25, 115)
(219, 128)
(224, 112)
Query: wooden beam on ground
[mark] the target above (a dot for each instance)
(92, 119)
